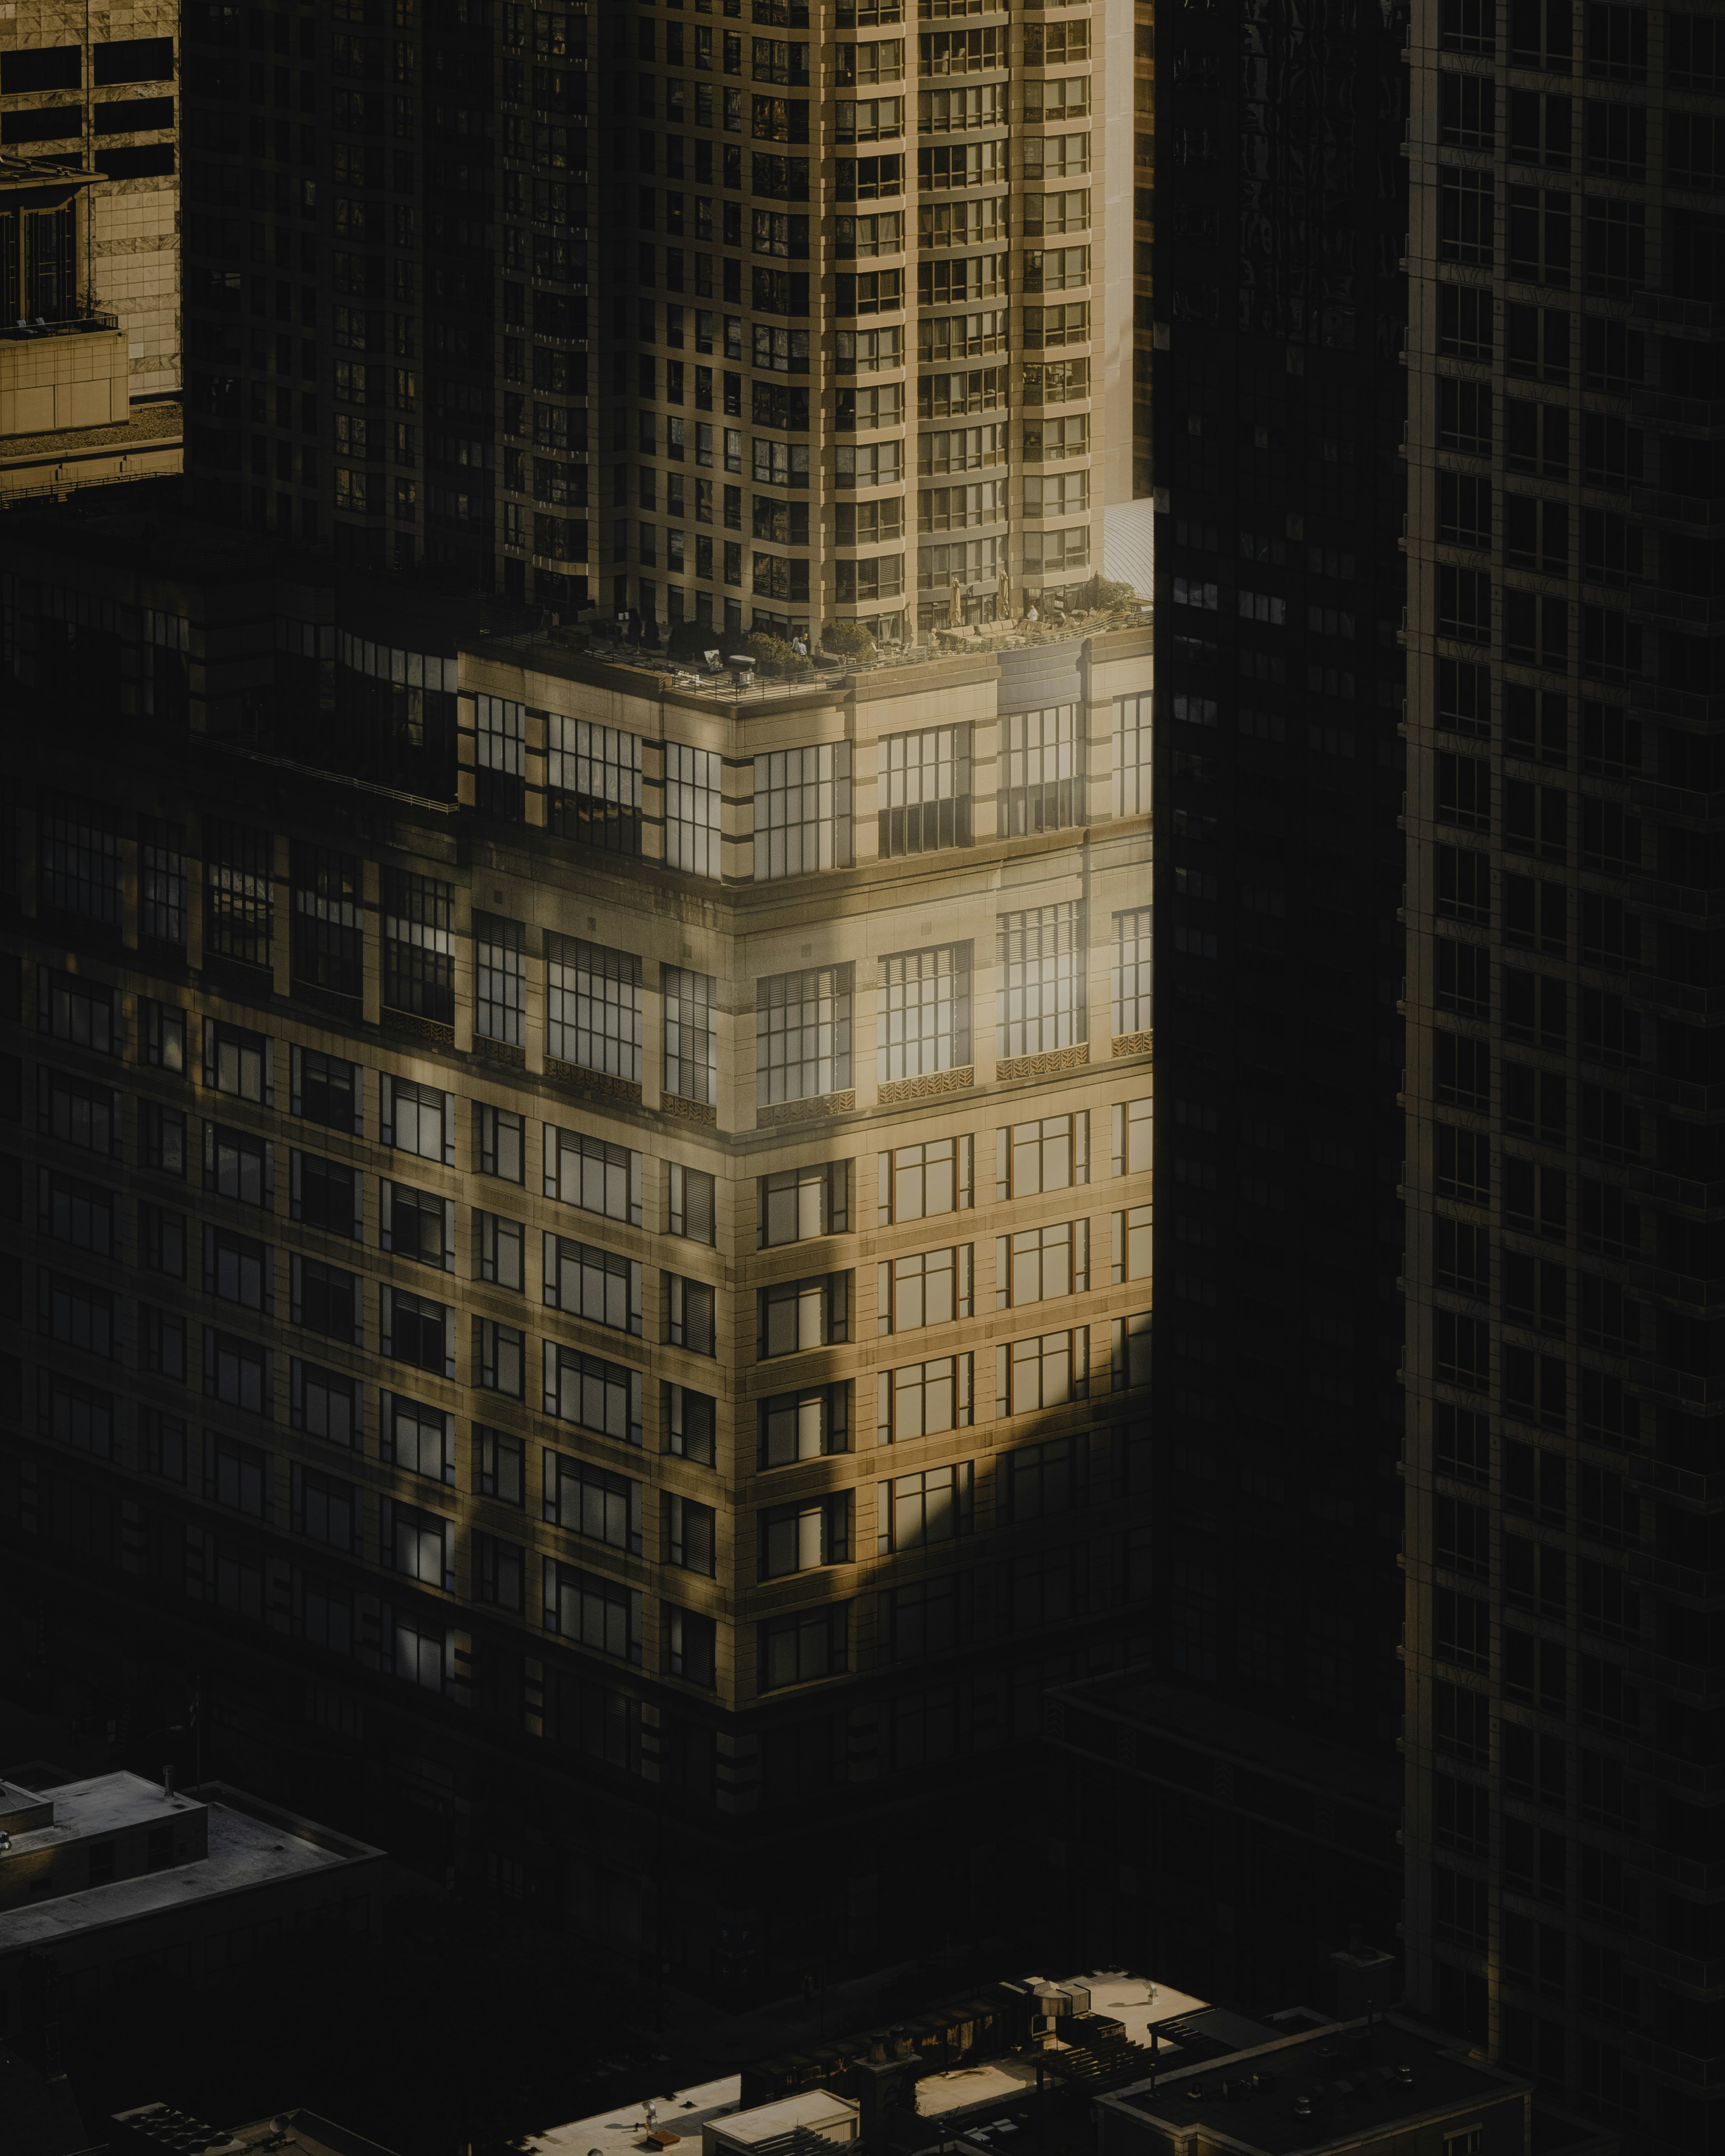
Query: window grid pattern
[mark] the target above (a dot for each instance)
(418, 946)
(500, 999)
(925, 782)
(803, 1034)
(924, 1012)
(1039, 1004)
(78, 865)
(499, 756)
(1131, 755)
(1041, 787)
(1133, 1007)
(593, 1007)
(328, 914)
(691, 1040)
(803, 810)
(692, 778)
(593, 775)
(238, 907)
(162, 881)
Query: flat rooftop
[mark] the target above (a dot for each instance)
(248, 1848)
(1358, 2080)
(622, 2129)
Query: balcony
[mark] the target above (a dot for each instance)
(23, 332)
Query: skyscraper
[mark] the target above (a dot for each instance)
(588, 1294)
(823, 314)
(1562, 1642)
(1278, 396)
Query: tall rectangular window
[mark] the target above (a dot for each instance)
(922, 1399)
(326, 924)
(1041, 789)
(418, 946)
(593, 1007)
(925, 791)
(801, 810)
(1131, 755)
(161, 881)
(1039, 1003)
(693, 779)
(924, 1014)
(1046, 1371)
(238, 909)
(1133, 1008)
(499, 757)
(594, 776)
(77, 858)
(499, 987)
(691, 1041)
(801, 1035)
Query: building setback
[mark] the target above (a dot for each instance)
(826, 314)
(1563, 1651)
(474, 1230)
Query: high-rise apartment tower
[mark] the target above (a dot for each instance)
(1563, 1644)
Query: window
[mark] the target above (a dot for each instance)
(418, 946)
(803, 1645)
(325, 933)
(1045, 1372)
(86, 1215)
(326, 1299)
(923, 1013)
(239, 911)
(75, 1414)
(804, 1425)
(794, 1315)
(78, 862)
(591, 1611)
(801, 810)
(502, 1250)
(583, 1499)
(691, 1315)
(416, 1543)
(324, 1508)
(164, 1445)
(931, 1287)
(593, 1175)
(920, 1181)
(416, 1226)
(692, 1044)
(323, 1193)
(498, 1573)
(593, 1393)
(593, 780)
(936, 1506)
(690, 1645)
(499, 978)
(1037, 1263)
(238, 1371)
(419, 1439)
(689, 1422)
(499, 756)
(1037, 1479)
(162, 881)
(81, 1012)
(925, 780)
(237, 1062)
(164, 1135)
(804, 1536)
(690, 1196)
(79, 1315)
(500, 1358)
(420, 1657)
(692, 803)
(585, 1281)
(920, 1399)
(1133, 972)
(328, 1091)
(1133, 1128)
(419, 1119)
(501, 1143)
(1131, 754)
(417, 1330)
(324, 1404)
(690, 1534)
(1051, 1153)
(161, 1241)
(795, 1204)
(238, 1268)
(499, 1464)
(1132, 1244)
(924, 1617)
(803, 1034)
(593, 1011)
(1041, 1003)
(237, 1476)
(1041, 789)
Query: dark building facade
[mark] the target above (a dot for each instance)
(1563, 1625)
(1278, 398)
